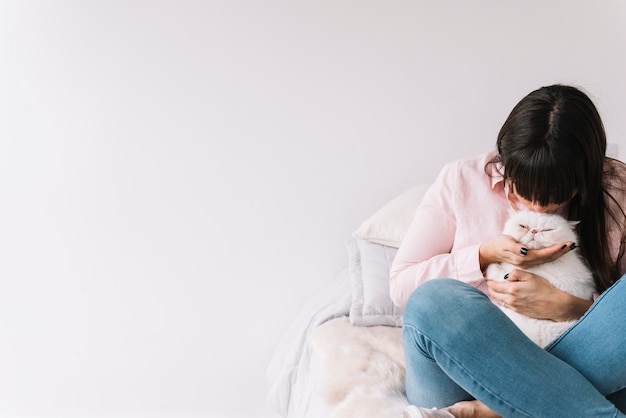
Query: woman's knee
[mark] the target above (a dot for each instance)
(441, 301)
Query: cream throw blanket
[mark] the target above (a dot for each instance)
(361, 369)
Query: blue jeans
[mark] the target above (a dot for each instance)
(460, 346)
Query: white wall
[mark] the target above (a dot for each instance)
(178, 177)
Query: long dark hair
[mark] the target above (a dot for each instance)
(553, 145)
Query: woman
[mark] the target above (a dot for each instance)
(462, 353)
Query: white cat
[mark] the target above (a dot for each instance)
(568, 272)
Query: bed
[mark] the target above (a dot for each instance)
(342, 355)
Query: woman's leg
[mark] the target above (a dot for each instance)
(595, 345)
(458, 343)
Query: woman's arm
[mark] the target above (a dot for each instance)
(426, 253)
(430, 248)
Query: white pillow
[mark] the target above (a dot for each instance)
(369, 265)
(390, 223)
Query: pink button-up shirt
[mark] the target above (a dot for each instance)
(463, 208)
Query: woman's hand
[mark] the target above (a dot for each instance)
(532, 295)
(504, 248)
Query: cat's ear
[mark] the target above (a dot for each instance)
(573, 223)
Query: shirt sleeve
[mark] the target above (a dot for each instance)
(428, 249)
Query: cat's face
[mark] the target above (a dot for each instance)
(539, 230)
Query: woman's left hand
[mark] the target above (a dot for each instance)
(533, 296)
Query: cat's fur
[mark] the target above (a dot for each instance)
(568, 272)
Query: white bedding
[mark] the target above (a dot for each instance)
(326, 367)
(360, 370)
(359, 292)
(292, 383)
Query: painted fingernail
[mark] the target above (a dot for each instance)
(506, 276)
(563, 247)
(524, 251)
(573, 246)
